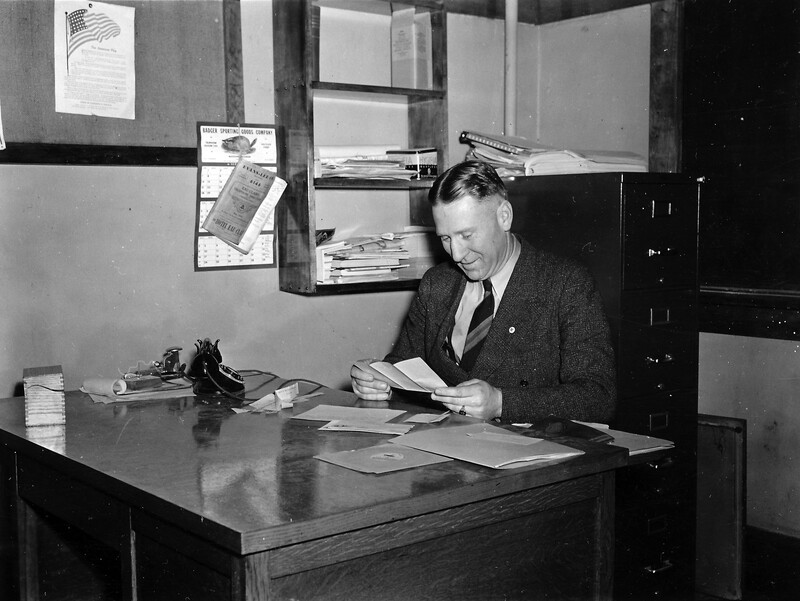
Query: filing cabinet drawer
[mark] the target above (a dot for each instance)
(671, 415)
(667, 479)
(660, 236)
(658, 343)
(653, 553)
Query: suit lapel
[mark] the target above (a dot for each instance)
(445, 366)
(517, 304)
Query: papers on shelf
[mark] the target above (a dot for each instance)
(486, 445)
(554, 162)
(412, 374)
(366, 258)
(374, 162)
(513, 156)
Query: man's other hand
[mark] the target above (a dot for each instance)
(475, 398)
(366, 384)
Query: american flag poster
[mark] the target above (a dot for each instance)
(94, 59)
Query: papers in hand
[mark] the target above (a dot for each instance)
(486, 445)
(411, 374)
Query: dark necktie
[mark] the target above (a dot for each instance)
(478, 327)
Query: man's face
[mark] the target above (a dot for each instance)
(474, 233)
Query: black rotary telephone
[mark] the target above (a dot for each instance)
(209, 375)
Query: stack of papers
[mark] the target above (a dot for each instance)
(554, 162)
(487, 445)
(365, 258)
(513, 156)
(361, 162)
(479, 443)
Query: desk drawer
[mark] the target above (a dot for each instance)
(660, 240)
(78, 504)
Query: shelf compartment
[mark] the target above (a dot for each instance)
(354, 90)
(306, 82)
(372, 184)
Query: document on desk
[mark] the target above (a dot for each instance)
(343, 425)
(486, 445)
(382, 458)
(328, 413)
(638, 443)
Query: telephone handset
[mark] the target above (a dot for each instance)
(209, 375)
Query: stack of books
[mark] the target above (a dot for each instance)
(44, 396)
(360, 259)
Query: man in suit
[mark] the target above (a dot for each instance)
(542, 346)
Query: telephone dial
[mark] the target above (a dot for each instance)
(209, 375)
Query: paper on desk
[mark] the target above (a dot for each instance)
(328, 413)
(427, 418)
(112, 390)
(343, 425)
(412, 374)
(486, 445)
(638, 443)
(283, 398)
(381, 459)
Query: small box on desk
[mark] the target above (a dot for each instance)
(44, 396)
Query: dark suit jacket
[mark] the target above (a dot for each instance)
(548, 349)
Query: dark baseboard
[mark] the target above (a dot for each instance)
(772, 564)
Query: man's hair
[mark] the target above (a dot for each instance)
(470, 178)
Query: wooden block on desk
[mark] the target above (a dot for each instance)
(44, 396)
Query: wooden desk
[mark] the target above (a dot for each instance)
(183, 499)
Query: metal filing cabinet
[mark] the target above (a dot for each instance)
(637, 233)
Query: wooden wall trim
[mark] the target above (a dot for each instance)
(234, 67)
(539, 12)
(666, 56)
(755, 313)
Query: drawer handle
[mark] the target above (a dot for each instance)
(663, 463)
(651, 252)
(660, 208)
(657, 525)
(659, 316)
(667, 358)
(659, 421)
(666, 564)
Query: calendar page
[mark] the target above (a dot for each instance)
(219, 148)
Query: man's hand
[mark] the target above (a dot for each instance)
(475, 398)
(366, 384)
